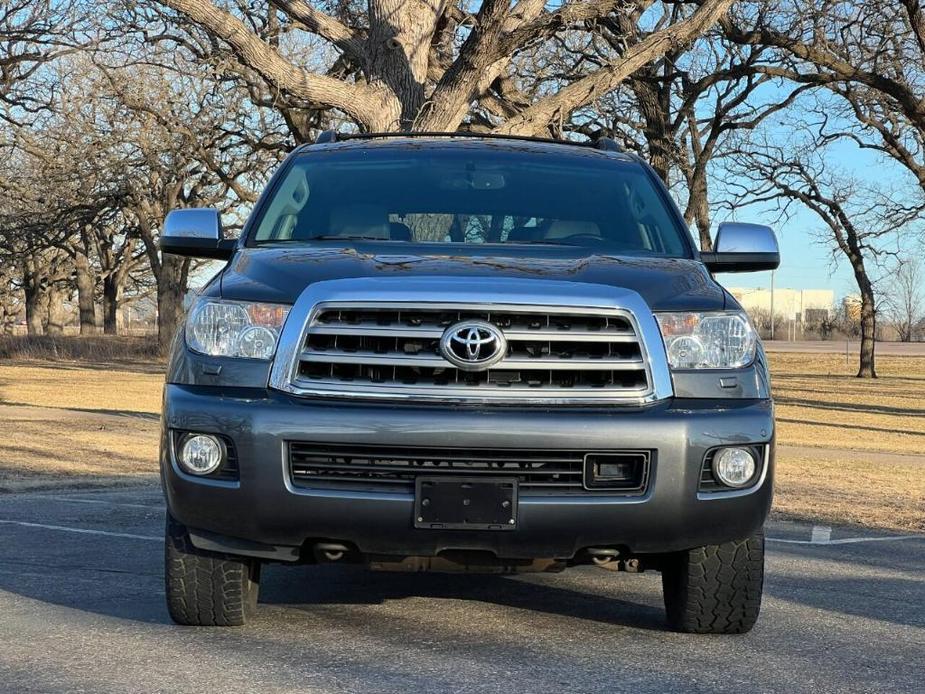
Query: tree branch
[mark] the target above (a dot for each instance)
(536, 118)
(366, 104)
(324, 25)
(478, 64)
(840, 70)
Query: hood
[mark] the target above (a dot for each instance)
(280, 274)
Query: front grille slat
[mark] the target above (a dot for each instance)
(448, 456)
(437, 362)
(557, 355)
(435, 332)
(378, 330)
(431, 470)
(323, 465)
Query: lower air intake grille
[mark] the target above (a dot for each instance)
(393, 468)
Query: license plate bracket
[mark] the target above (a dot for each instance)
(465, 503)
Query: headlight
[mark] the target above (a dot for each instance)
(235, 329)
(723, 340)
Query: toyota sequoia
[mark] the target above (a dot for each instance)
(456, 352)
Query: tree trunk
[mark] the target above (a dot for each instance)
(86, 289)
(656, 113)
(171, 288)
(400, 33)
(868, 332)
(698, 209)
(35, 297)
(57, 317)
(112, 297)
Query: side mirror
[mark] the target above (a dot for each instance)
(196, 233)
(742, 248)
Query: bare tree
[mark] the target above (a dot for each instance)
(858, 220)
(179, 139)
(33, 33)
(422, 64)
(686, 111)
(905, 298)
(870, 56)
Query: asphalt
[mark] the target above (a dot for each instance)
(82, 609)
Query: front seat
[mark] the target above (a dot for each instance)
(371, 221)
(399, 231)
(562, 229)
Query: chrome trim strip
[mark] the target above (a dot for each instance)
(541, 363)
(458, 293)
(436, 332)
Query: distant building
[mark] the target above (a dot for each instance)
(851, 305)
(800, 305)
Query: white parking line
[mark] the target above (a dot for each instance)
(82, 531)
(847, 540)
(102, 503)
(816, 538)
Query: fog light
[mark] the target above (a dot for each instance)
(734, 467)
(201, 454)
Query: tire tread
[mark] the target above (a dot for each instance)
(205, 588)
(715, 589)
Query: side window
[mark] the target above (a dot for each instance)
(282, 216)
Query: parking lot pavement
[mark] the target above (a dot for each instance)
(82, 609)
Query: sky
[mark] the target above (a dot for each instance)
(806, 262)
(807, 258)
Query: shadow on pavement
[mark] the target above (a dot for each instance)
(306, 586)
(122, 577)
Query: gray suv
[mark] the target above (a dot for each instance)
(453, 352)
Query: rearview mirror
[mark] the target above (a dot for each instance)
(742, 247)
(196, 233)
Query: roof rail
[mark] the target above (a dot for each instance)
(608, 144)
(327, 136)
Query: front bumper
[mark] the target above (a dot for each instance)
(264, 509)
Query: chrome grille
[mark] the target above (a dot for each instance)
(392, 350)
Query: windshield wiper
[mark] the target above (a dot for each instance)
(337, 237)
(537, 242)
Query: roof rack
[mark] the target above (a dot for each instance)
(329, 136)
(608, 144)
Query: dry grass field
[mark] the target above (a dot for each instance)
(821, 403)
(76, 423)
(850, 451)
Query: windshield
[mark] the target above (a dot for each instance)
(464, 195)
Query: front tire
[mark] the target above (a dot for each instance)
(207, 588)
(715, 589)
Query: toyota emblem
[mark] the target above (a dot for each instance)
(473, 345)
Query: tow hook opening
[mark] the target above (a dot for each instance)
(613, 559)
